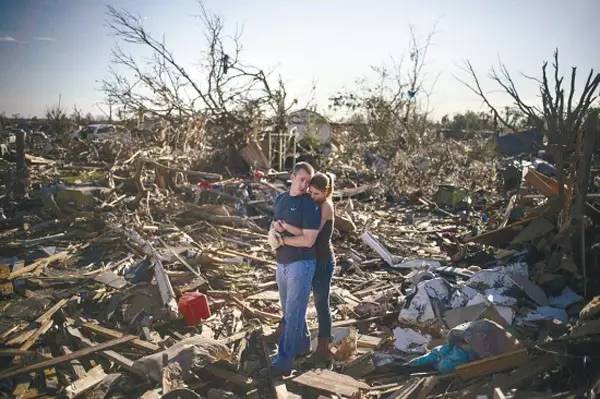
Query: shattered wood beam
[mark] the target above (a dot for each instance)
(332, 382)
(76, 365)
(38, 333)
(111, 355)
(167, 293)
(67, 358)
(492, 364)
(204, 175)
(50, 312)
(92, 378)
(376, 246)
(107, 332)
(64, 255)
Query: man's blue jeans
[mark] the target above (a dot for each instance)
(321, 287)
(294, 281)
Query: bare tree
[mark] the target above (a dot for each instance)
(390, 103)
(571, 126)
(226, 89)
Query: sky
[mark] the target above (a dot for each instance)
(52, 48)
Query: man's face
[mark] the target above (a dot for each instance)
(300, 181)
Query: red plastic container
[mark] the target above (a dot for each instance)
(194, 307)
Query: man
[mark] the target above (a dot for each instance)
(296, 261)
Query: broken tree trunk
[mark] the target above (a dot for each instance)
(590, 132)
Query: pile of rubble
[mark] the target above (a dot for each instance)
(137, 276)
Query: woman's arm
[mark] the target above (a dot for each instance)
(306, 240)
(326, 213)
(294, 230)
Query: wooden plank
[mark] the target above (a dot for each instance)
(21, 338)
(38, 333)
(22, 389)
(39, 263)
(492, 364)
(524, 373)
(119, 359)
(429, 385)
(76, 365)
(93, 377)
(378, 247)
(50, 312)
(367, 341)
(542, 183)
(10, 331)
(329, 381)
(107, 332)
(498, 394)
(351, 322)
(68, 358)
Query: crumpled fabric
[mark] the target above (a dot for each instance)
(444, 358)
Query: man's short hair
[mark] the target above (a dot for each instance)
(304, 166)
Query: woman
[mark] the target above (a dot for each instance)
(321, 191)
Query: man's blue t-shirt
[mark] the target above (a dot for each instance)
(300, 211)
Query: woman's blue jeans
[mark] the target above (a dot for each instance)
(321, 286)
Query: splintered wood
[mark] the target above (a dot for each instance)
(329, 381)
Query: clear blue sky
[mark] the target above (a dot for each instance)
(49, 47)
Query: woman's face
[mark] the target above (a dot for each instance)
(317, 195)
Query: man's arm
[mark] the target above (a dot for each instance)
(306, 240)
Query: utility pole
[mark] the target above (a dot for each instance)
(21, 175)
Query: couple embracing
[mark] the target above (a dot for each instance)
(301, 234)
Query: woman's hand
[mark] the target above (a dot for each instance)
(285, 225)
(280, 226)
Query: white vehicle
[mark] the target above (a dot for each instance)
(104, 131)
